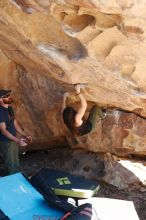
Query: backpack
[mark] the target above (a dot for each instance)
(82, 212)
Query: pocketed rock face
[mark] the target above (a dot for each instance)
(47, 46)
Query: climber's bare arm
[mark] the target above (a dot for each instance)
(82, 109)
(65, 95)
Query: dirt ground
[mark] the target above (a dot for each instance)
(33, 161)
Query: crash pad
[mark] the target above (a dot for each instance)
(111, 209)
(20, 201)
(66, 184)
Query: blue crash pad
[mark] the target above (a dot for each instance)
(20, 201)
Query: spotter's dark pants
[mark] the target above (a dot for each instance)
(10, 155)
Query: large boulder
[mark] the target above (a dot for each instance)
(46, 47)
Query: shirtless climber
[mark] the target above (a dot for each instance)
(75, 120)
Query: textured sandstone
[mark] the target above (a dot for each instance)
(47, 46)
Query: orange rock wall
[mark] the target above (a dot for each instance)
(47, 46)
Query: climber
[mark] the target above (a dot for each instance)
(74, 120)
